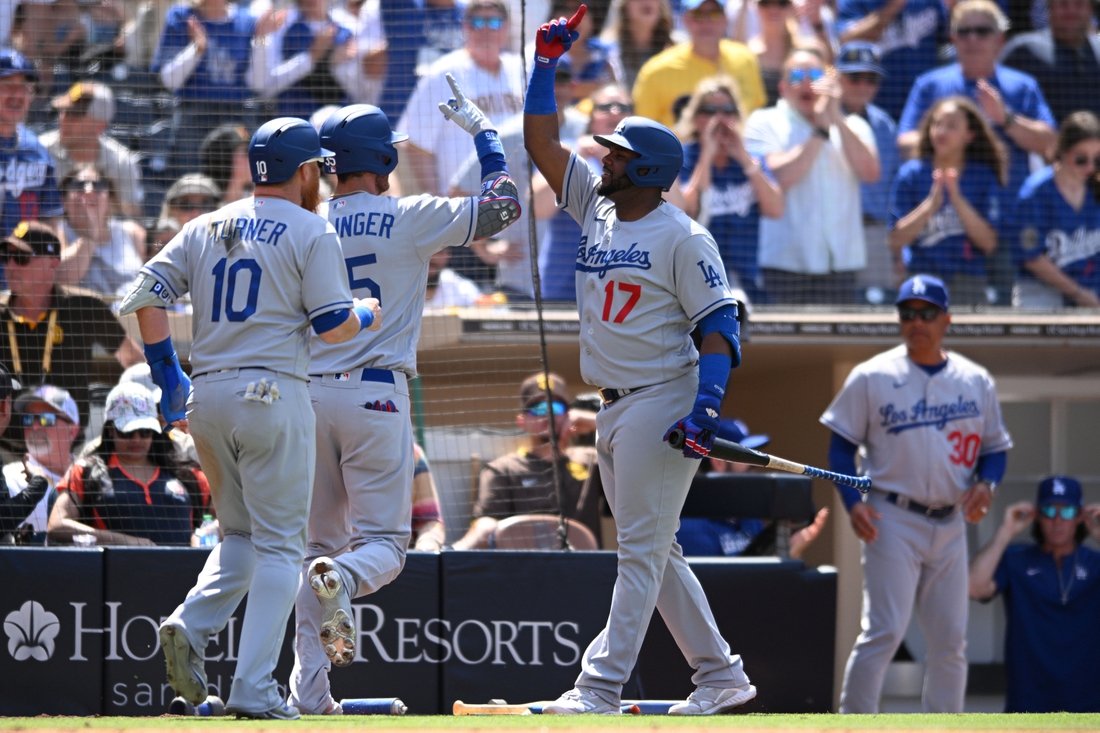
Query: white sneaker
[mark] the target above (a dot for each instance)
(283, 712)
(337, 622)
(581, 700)
(186, 671)
(711, 700)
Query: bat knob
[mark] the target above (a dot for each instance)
(676, 438)
(863, 484)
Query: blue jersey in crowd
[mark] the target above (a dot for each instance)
(318, 88)
(1020, 92)
(942, 247)
(1052, 638)
(908, 44)
(1043, 223)
(717, 537)
(734, 218)
(404, 26)
(875, 197)
(27, 178)
(598, 67)
(220, 75)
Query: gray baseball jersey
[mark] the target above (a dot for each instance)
(258, 270)
(923, 434)
(641, 286)
(386, 244)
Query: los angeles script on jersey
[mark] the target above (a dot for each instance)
(18, 175)
(594, 259)
(922, 414)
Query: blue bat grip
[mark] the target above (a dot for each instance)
(856, 482)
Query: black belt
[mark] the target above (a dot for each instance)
(369, 375)
(932, 512)
(611, 396)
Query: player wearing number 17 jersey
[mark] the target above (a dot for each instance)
(646, 276)
(360, 519)
(261, 272)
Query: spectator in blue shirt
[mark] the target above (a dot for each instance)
(1056, 232)
(725, 188)
(861, 77)
(1051, 592)
(905, 31)
(945, 205)
(204, 58)
(589, 57)
(1009, 99)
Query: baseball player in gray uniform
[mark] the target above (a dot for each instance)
(360, 519)
(646, 276)
(934, 447)
(261, 272)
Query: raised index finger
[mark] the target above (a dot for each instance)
(454, 88)
(578, 16)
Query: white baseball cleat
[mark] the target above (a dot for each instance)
(712, 700)
(337, 623)
(186, 671)
(283, 712)
(581, 700)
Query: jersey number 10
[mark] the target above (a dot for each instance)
(220, 287)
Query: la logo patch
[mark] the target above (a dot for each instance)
(710, 275)
(919, 287)
(1058, 488)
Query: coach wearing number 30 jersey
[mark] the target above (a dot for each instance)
(935, 446)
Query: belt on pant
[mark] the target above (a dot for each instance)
(610, 396)
(368, 375)
(932, 512)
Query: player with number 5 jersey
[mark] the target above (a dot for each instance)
(262, 272)
(646, 277)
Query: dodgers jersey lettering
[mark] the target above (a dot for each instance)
(641, 286)
(923, 434)
(386, 244)
(256, 269)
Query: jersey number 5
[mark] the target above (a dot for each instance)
(254, 275)
(609, 296)
(372, 287)
(966, 448)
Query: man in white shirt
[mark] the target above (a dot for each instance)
(819, 157)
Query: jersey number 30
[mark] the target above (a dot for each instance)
(965, 448)
(228, 291)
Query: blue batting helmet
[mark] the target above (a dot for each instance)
(361, 138)
(280, 147)
(660, 153)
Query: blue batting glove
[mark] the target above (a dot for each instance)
(175, 385)
(699, 427)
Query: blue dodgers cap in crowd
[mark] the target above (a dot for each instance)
(924, 287)
(860, 56)
(693, 4)
(738, 432)
(1060, 490)
(12, 62)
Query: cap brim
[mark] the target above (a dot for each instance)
(614, 139)
(398, 137)
(755, 441)
(18, 72)
(138, 423)
(855, 68)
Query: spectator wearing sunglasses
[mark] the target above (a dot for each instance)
(191, 196)
(47, 331)
(19, 497)
(945, 206)
(1056, 223)
(487, 74)
(725, 188)
(778, 36)
(104, 253)
(50, 426)
(819, 156)
(1051, 590)
(523, 482)
(676, 72)
(86, 111)
(132, 488)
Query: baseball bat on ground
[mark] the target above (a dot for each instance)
(727, 450)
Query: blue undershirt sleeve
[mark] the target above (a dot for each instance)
(991, 467)
(842, 459)
(328, 321)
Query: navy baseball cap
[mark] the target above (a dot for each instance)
(1059, 490)
(860, 56)
(738, 432)
(924, 287)
(12, 62)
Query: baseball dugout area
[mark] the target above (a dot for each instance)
(467, 626)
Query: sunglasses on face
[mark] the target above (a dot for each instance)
(204, 204)
(774, 3)
(707, 15)
(1083, 160)
(863, 77)
(87, 187)
(980, 31)
(616, 107)
(139, 433)
(42, 420)
(713, 109)
(540, 410)
(479, 23)
(1065, 511)
(927, 314)
(797, 76)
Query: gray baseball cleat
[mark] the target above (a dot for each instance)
(283, 712)
(186, 671)
(580, 701)
(708, 700)
(337, 623)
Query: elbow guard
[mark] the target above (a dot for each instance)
(724, 321)
(145, 291)
(497, 207)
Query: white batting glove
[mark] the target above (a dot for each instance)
(264, 392)
(463, 112)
